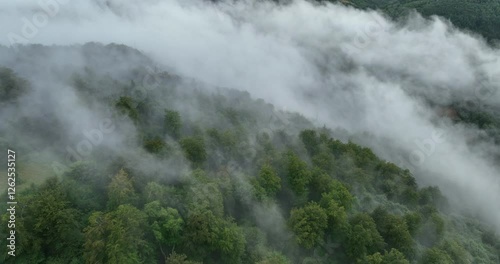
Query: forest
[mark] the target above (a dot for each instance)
(479, 17)
(198, 175)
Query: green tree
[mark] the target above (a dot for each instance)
(231, 242)
(121, 190)
(364, 238)
(456, 251)
(166, 223)
(127, 106)
(47, 226)
(172, 123)
(155, 145)
(274, 258)
(297, 173)
(311, 141)
(392, 257)
(337, 216)
(413, 221)
(395, 232)
(309, 224)
(194, 149)
(11, 86)
(117, 237)
(175, 258)
(338, 192)
(268, 183)
(201, 233)
(436, 256)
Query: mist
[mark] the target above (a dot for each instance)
(382, 81)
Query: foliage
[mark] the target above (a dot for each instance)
(117, 237)
(229, 192)
(121, 190)
(194, 149)
(172, 123)
(268, 183)
(309, 224)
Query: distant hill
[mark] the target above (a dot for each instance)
(480, 16)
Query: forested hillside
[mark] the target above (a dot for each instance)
(481, 17)
(179, 171)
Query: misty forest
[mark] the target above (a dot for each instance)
(269, 132)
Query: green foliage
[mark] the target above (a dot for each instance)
(436, 256)
(126, 105)
(309, 224)
(166, 223)
(175, 258)
(194, 149)
(413, 221)
(205, 233)
(337, 217)
(392, 257)
(456, 251)
(297, 173)
(117, 237)
(232, 205)
(310, 140)
(364, 238)
(274, 258)
(268, 182)
(173, 123)
(478, 16)
(155, 145)
(46, 226)
(11, 86)
(338, 192)
(395, 232)
(121, 191)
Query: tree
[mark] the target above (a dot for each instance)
(395, 232)
(274, 258)
(324, 160)
(364, 238)
(231, 242)
(117, 237)
(175, 258)
(456, 251)
(155, 145)
(337, 216)
(309, 224)
(172, 123)
(194, 149)
(126, 105)
(297, 173)
(436, 256)
(121, 190)
(201, 233)
(166, 223)
(338, 192)
(413, 221)
(392, 257)
(11, 86)
(206, 234)
(268, 181)
(47, 226)
(311, 141)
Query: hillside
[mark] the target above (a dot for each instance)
(481, 17)
(184, 172)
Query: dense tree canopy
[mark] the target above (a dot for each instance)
(209, 177)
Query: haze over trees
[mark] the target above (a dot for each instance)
(338, 201)
(122, 160)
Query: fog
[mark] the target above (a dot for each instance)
(357, 70)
